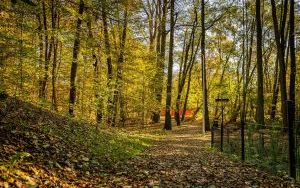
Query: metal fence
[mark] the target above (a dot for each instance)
(267, 146)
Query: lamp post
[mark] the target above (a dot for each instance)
(222, 101)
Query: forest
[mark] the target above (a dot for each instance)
(128, 93)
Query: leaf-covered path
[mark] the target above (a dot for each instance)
(183, 159)
(59, 158)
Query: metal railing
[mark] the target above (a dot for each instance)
(274, 147)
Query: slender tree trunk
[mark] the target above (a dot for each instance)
(275, 92)
(54, 67)
(182, 76)
(168, 123)
(188, 62)
(55, 24)
(74, 65)
(161, 60)
(47, 55)
(185, 51)
(41, 52)
(21, 51)
(280, 43)
(143, 97)
(151, 10)
(109, 65)
(98, 96)
(246, 65)
(205, 119)
(292, 59)
(259, 60)
(186, 96)
(118, 92)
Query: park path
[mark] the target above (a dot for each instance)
(183, 159)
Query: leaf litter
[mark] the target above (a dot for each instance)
(32, 154)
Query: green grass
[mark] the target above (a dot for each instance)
(109, 144)
(270, 155)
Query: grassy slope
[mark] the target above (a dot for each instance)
(38, 147)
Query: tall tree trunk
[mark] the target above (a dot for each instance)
(168, 123)
(47, 55)
(280, 43)
(55, 24)
(292, 58)
(247, 59)
(41, 54)
(275, 91)
(205, 119)
(74, 65)
(186, 96)
(109, 65)
(118, 92)
(161, 59)
(151, 10)
(188, 62)
(259, 61)
(98, 96)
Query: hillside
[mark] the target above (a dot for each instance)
(41, 148)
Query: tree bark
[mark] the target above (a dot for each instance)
(55, 24)
(186, 96)
(118, 91)
(168, 123)
(109, 65)
(98, 95)
(47, 55)
(205, 119)
(292, 59)
(259, 62)
(160, 60)
(280, 43)
(41, 54)
(275, 92)
(74, 65)
(190, 53)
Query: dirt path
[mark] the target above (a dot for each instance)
(184, 160)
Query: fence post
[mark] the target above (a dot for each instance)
(222, 129)
(292, 153)
(243, 139)
(212, 136)
(213, 129)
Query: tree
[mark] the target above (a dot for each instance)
(47, 54)
(76, 48)
(189, 53)
(54, 40)
(293, 67)
(205, 120)
(259, 60)
(168, 123)
(161, 52)
(280, 44)
(118, 95)
(108, 61)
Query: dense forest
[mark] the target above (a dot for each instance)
(118, 62)
(166, 63)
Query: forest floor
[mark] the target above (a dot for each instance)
(184, 159)
(42, 149)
